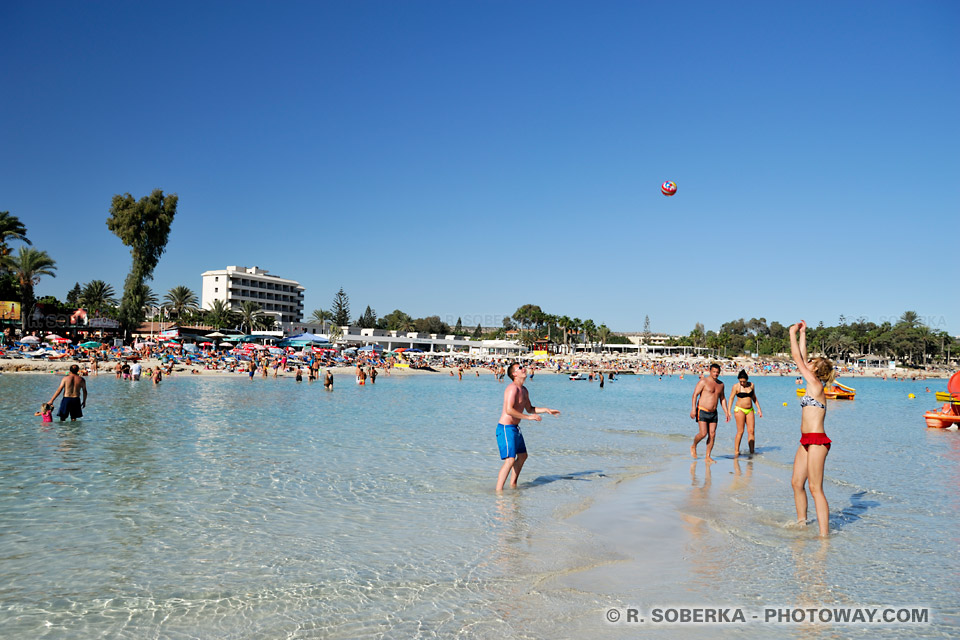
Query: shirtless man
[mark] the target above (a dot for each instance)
(706, 395)
(516, 400)
(71, 385)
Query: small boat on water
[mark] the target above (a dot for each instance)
(577, 376)
(949, 414)
(836, 391)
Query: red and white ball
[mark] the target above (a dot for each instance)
(668, 188)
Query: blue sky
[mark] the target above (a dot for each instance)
(464, 158)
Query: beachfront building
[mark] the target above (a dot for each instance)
(278, 297)
(389, 340)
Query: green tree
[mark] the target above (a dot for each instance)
(321, 316)
(28, 266)
(397, 320)
(910, 319)
(181, 300)
(149, 298)
(219, 315)
(73, 297)
(251, 316)
(589, 332)
(458, 329)
(698, 336)
(431, 324)
(603, 334)
(144, 226)
(96, 296)
(564, 322)
(368, 320)
(11, 229)
(646, 327)
(341, 308)
(478, 332)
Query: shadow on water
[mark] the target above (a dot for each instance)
(851, 513)
(579, 475)
(747, 456)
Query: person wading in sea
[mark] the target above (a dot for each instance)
(71, 386)
(516, 400)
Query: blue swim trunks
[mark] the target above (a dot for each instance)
(70, 407)
(510, 441)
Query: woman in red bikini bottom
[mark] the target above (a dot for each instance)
(814, 443)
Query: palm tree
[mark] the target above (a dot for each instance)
(322, 316)
(589, 332)
(603, 334)
(250, 315)
(219, 315)
(564, 322)
(11, 229)
(149, 298)
(181, 299)
(910, 318)
(575, 325)
(28, 266)
(96, 295)
(335, 333)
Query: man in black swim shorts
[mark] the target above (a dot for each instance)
(707, 394)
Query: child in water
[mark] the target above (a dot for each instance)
(46, 410)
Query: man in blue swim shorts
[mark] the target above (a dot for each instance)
(516, 400)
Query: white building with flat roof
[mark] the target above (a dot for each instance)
(278, 297)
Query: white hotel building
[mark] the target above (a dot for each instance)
(278, 297)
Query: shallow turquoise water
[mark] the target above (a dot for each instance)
(225, 508)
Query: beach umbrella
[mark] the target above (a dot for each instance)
(216, 334)
(92, 344)
(54, 337)
(30, 340)
(225, 344)
(206, 344)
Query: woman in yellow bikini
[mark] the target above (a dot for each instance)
(745, 393)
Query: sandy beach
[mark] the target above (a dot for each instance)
(584, 364)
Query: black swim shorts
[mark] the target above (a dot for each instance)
(707, 416)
